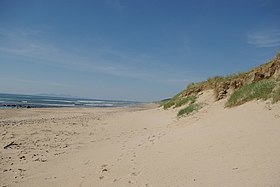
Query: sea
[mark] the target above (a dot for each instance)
(39, 101)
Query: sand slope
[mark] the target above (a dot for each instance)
(142, 147)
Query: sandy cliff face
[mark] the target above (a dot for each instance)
(265, 71)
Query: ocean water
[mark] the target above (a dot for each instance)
(35, 101)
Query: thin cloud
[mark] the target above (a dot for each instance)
(30, 47)
(264, 39)
(36, 82)
(13, 43)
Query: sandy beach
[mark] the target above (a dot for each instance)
(126, 93)
(145, 146)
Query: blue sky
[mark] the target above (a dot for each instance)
(140, 50)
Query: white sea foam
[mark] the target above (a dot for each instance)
(100, 105)
(53, 100)
(91, 101)
(62, 105)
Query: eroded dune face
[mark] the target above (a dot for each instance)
(224, 86)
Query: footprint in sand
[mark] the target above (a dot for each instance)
(101, 177)
(104, 166)
(103, 170)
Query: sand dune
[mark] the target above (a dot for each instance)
(141, 146)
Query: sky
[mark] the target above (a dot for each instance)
(140, 50)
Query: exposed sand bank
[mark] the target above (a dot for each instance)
(141, 147)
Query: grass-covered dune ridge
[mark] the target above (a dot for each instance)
(262, 82)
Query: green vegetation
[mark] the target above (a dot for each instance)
(178, 101)
(189, 109)
(257, 90)
(217, 83)
(170, 102)
(162, 102)
(194, 88)
(214, 81)
(262, 82)
(183, 101)
(196, 85)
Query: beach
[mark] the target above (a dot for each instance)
(123, 93)
(141, 146)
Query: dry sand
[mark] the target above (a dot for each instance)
(141, 147)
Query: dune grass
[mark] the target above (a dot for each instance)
(168, 104)
(177, 101)
(189, 109)
(257, 90)
(183, 101)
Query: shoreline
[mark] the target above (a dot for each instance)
(22, 106)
